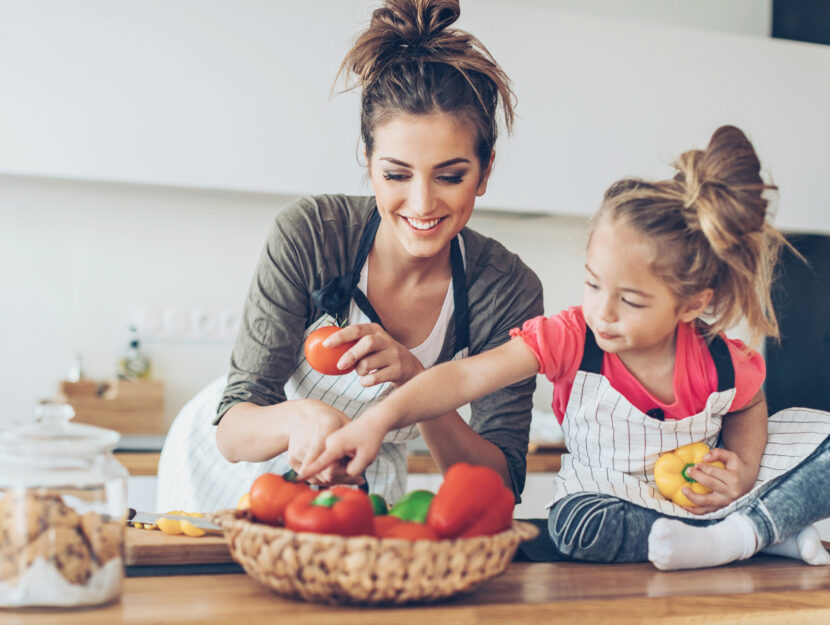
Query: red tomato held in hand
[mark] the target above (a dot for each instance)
(324, 359)
(270, 494)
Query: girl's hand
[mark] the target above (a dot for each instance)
(354, 446)
(312, 423)
(727, 484)
(379, 357)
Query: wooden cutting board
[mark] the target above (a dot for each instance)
(153, 547)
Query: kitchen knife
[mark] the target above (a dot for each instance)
(152, 518)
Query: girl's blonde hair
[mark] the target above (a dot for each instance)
(711, 228)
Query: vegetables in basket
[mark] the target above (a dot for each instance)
(413, 506)
(337, 510)
(270, 494)
(472, 501)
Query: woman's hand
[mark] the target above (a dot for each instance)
(379, 357)
(313, 422)
(351, 448)
(734, 480)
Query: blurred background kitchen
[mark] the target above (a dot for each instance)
(146, 147)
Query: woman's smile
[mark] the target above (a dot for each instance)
(424, 225)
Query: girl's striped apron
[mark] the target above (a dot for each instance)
(612, 446)
(193, 475)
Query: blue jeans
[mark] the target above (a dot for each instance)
(601, 528)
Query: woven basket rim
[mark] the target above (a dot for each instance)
(226, 518)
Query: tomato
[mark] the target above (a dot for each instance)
(270, 494)
(324, 359)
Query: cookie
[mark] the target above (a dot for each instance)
(24, 516)
(65, 548)
(105, 539)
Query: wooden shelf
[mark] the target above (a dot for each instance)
(139, 462)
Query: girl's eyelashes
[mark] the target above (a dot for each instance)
(591, 285)
(388, 175)
(632, 304)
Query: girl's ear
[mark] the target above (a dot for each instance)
(482, 185)
(695, 305)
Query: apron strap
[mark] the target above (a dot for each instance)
(459, 293)
(591, 354)
(723, 363)
(335, 296)
(592, 359)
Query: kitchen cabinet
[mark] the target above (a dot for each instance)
(212, 95)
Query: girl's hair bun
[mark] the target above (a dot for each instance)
(721, 189)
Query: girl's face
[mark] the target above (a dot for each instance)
(426, 177)
(631, 311)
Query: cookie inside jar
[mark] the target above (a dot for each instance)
(62, 517)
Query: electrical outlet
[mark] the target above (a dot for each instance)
(205, 324)
(229, 324)
(182, 323)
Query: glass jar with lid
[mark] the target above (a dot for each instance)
(62, 513)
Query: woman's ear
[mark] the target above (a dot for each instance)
(695, 305)
(482, 185)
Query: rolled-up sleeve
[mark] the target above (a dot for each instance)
(273, 320)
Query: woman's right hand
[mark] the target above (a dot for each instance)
(312, 422)
(377, 356)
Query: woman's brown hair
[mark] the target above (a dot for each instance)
(711, 227)
(410, 61)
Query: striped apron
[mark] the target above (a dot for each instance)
(613, 446)
(193, 475)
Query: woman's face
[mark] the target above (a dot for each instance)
(426, 177)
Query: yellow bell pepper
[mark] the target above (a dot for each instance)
(670, 472)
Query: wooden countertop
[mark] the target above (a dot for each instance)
(760, 591)
(539, 460)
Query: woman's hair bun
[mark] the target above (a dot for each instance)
(415, 23)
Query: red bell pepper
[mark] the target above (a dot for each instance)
(337, 510)
(472, 501)
(410, 530)
(384, 523)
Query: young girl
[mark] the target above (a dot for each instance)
(638, 373)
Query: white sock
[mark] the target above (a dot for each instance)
(806, 545)
(673, 544)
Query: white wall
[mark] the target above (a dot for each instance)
(78, 260)
(235, 95)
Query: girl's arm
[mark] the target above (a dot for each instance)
(431, 394)
(744, 438)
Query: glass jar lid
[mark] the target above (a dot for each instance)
(53, 434)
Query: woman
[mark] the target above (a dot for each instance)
(414, 284)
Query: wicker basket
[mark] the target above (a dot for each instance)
(364, 569)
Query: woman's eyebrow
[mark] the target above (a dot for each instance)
(452, 161)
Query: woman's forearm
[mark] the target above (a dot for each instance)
(252, 433)
(451, 440)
